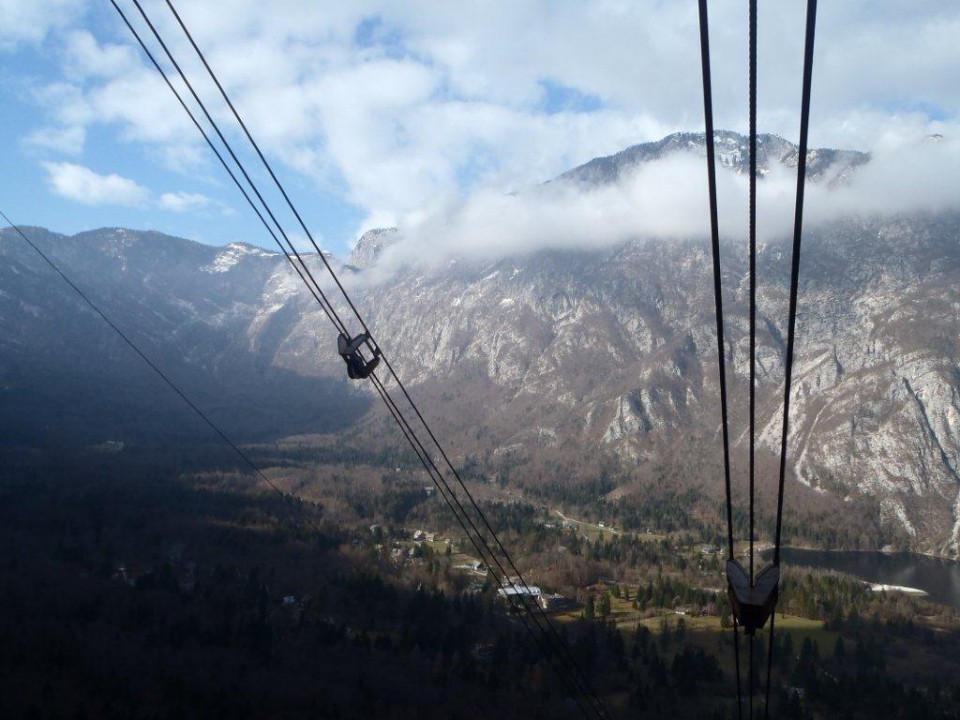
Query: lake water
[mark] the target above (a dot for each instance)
(940, 579)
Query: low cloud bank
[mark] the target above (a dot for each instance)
(668, 199)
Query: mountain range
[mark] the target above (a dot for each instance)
(560, 362)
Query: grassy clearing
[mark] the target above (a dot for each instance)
(803, 628)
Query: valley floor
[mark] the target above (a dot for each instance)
(150, 584)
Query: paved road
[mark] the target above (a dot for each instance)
(610, 530)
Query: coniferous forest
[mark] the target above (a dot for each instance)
(157, 584)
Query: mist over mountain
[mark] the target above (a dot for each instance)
(659, 190)
(578, 356)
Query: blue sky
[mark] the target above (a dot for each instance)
(377, 113)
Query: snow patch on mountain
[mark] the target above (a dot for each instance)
(232, 255)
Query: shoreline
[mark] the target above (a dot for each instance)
(883, 551)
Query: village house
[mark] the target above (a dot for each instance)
(555, 601)
(516, 594)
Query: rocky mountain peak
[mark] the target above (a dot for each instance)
(732, 150)
(371, 244)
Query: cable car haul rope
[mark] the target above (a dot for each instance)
(350, 346)
(753, 596)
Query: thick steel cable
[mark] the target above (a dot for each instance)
(338, 323)
(718, 296)
(753, 260)
(332, 273)
(316, 290)
(715, 245)
(314, 287)
(752, 73)
(263, 159)
(795, 263)
(522, 581)
(736, 660)
(808, 53)
(153, 366)
(485, 553)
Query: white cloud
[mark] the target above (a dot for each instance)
(183, 201)
(88, 58)
(31, 20)
(664, 199)
(108, 85)
(65, 103)
(668, 199)
(921, 175)
(66, 140)
(83, 185)
(398, 109)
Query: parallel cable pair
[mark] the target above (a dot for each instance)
(792, 312)
(555, 648)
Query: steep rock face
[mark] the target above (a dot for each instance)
(616, 351)
(580, 354)
(610, 353)
(370, 245)
(876, 398)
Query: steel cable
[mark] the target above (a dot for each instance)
(752, 81)
(718, 297)
(153, 366)
(577, 673)
(808, 55)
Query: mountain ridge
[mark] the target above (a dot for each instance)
(570, 360)
(732, 153)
